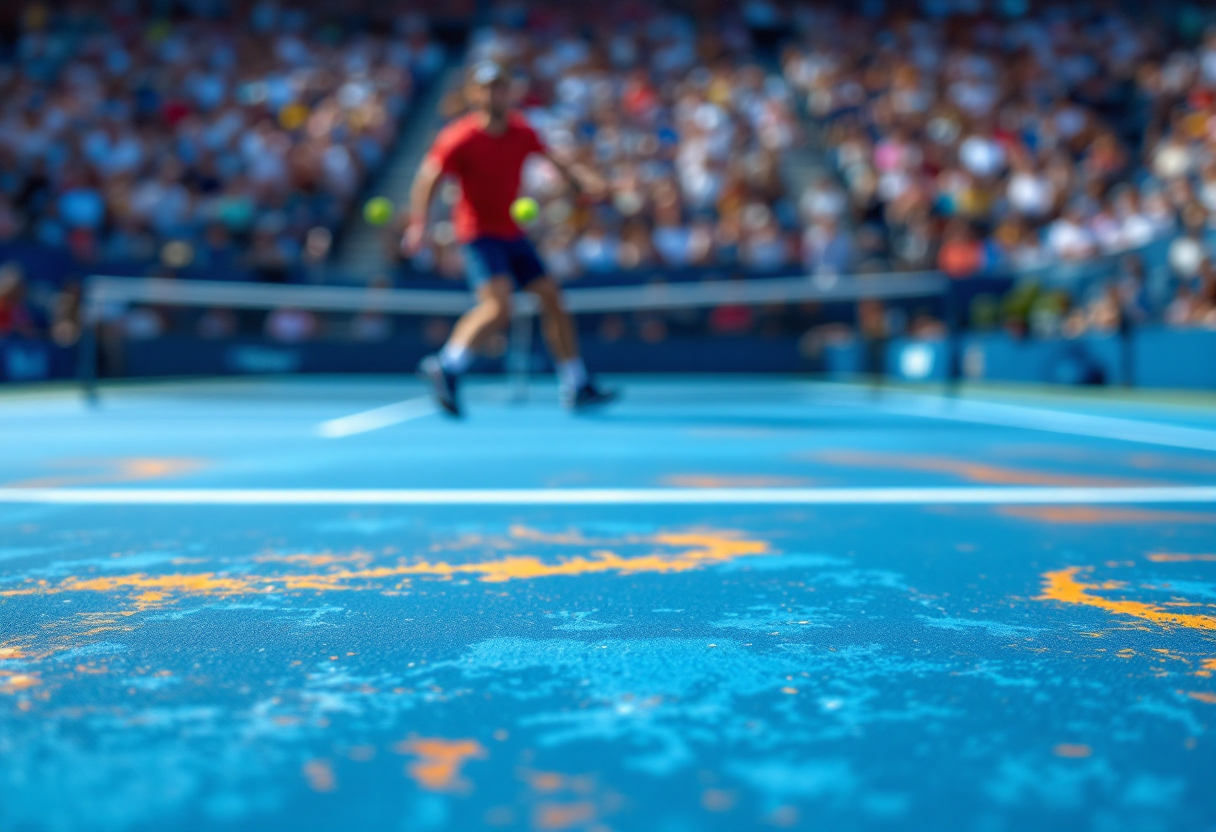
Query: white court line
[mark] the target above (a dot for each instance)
(1036, 418)
(611, 496)
(381, 417)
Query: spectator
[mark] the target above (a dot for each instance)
(962, 253)
(16, 317)
(1134, 301)
(1201, 310)
(597, 250)
(292, 326)
(671, 238)
(1185, 307)
(1070, 238)
(65, 315)
(827, 249)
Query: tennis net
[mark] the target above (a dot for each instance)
(168, 327)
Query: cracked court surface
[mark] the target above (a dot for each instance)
(926, 664)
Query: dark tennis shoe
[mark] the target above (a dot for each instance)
(443, 384)
(587, 397)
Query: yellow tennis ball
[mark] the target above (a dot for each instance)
(378, 210)
(525, 210)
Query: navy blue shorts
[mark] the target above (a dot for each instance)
(488, 257)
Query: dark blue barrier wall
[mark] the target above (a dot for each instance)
(1092, 359)
(22, 360)
(1173, 358)
(1158, 358)
(173, 356)
(189, 356)
(1164, 358)
(690, 354)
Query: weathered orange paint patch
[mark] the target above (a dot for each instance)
(692, 551)
(545, 781)
(1166, 557)
(559, 816)
(440, 761)
(1062, 585)
(548, 782)
(11, 682)
(1085, 515)
(320, 776)
(970, 471)
(150, 591)
(1074, 751)
(107, 471)
(13, 593)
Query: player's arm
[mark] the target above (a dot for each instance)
(421, 194)
(581, 178)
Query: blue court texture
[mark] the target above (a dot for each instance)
(315, 604)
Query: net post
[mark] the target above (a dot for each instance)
(1127, 348)
(87, 351)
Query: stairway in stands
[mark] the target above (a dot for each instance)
(365, 251)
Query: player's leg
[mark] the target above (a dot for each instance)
(556, 324)
(491, 314)
(487, 266)
(577, 388)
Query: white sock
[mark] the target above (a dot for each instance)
(455, 359)
(572, 373)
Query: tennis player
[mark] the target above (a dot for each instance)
(485, 152)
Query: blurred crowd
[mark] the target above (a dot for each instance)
(216, 133)
(1016, 139)
(674, 111)
(971, 136)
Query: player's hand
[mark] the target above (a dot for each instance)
(413, 238)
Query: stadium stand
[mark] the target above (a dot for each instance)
(982, 144)
(219, 137)
(1064, 154)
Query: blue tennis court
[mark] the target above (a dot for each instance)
(726, 604)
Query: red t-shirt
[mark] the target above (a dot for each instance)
(488, 168)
